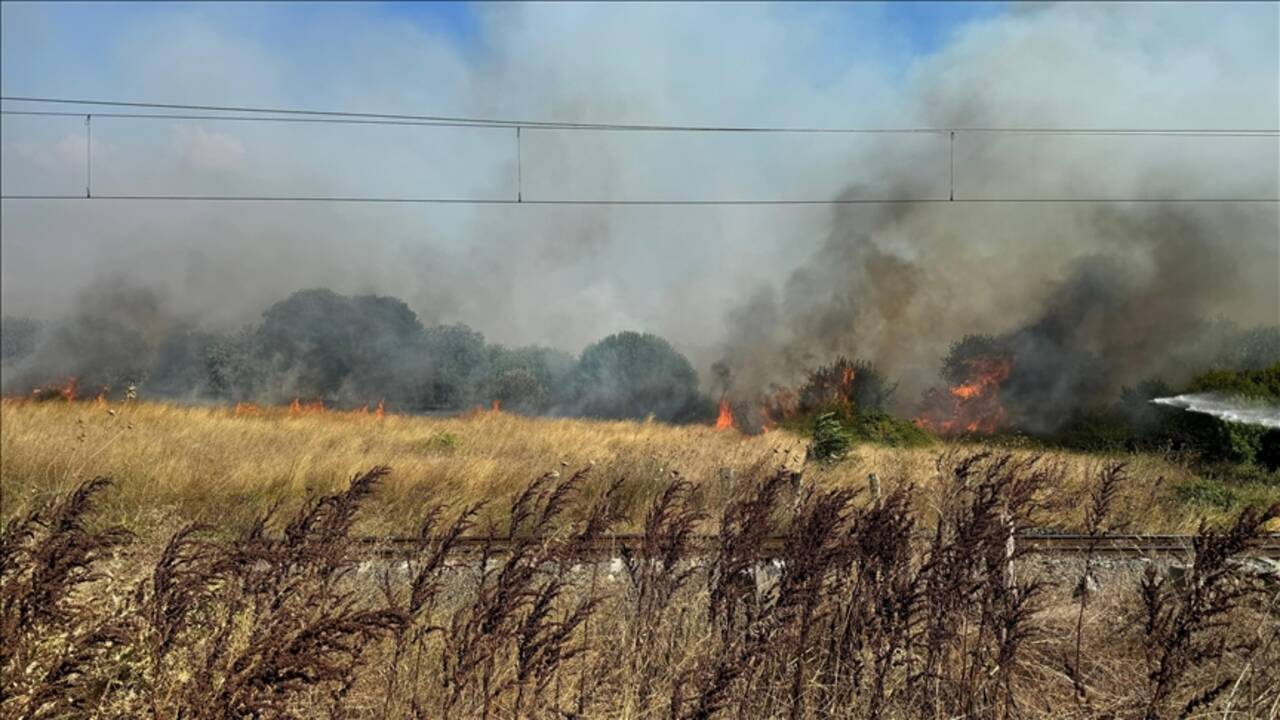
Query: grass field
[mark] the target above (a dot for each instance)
(912, 605)
(172, 464)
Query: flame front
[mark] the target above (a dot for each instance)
(298, 407)
(971, 406)
(725, 419)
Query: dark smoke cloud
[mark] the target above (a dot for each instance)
(1148, 301)
(1093, 296)
(1089, 297)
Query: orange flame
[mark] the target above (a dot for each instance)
(497, 406)
(68, 391)
(311, 408)
(971, 406)
(725, 420)
(317, 407)
(100, 400)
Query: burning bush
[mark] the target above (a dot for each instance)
(976, 367)
(852, 394)
(111, 340)
(1035, 380)
(845, 387)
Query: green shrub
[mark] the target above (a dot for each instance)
(1206, 492)
(439, 442)
(1254, 474)
(879, 427)
(1268, 455)
(1102, 430)
(830, 441)
(1261, 384)
(1231, 489)
(1216, 440)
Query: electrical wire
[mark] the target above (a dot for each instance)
(526, 201)
(336, 115)
(294, 115)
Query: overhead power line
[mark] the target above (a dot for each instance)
(261, 114)
(461, 121)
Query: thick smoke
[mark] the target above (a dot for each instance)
(1088, 297)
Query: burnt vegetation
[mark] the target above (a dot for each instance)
(812, 602)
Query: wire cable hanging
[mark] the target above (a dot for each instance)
(336, 115)
(264, 114)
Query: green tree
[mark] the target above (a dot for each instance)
(634, 375)
(457, 363)
(324, 341)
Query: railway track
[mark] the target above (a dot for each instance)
(1132, 546)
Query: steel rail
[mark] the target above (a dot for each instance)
(1034, 543)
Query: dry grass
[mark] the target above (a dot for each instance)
(175, 464)
(869, 610)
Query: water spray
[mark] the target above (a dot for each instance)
(1231, 409)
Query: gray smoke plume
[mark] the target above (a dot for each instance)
(1139, 293)
(1226, 408)
(1088, 296)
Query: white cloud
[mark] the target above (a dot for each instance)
(207, 150)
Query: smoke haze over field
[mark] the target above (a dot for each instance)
(1090, 295)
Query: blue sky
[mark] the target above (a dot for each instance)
(924, 26)
(54, 48)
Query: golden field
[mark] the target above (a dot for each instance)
(865, 600)
(172, 464)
